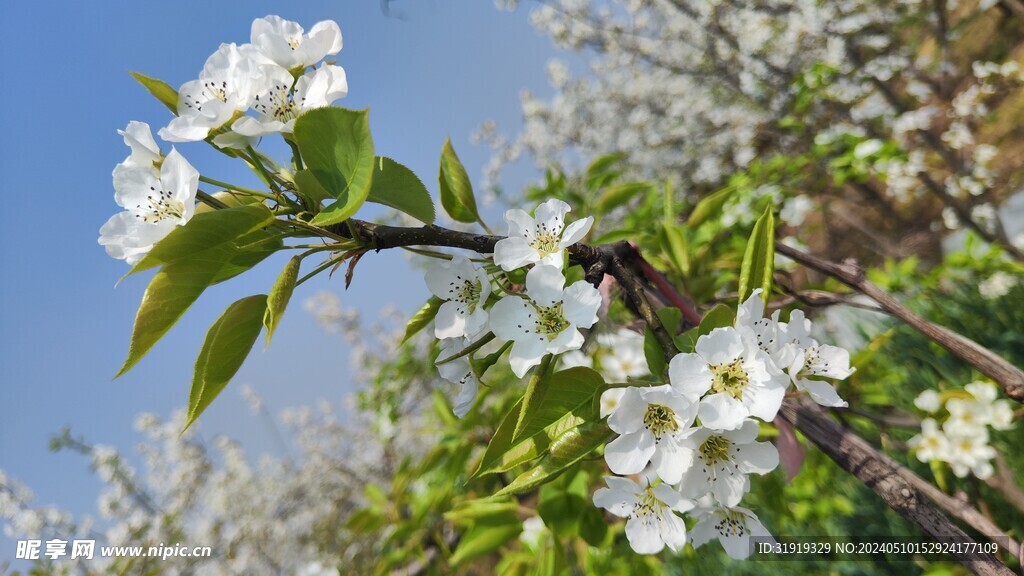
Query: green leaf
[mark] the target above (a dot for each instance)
(337, 149)
(456, 189)
(251, 249)
(159, 89)
(566, 451)
(653, 353)
(536, 390)
(718, 317)
(759, 258)
(310, 188)
(280, 294)
(674, 245)
(616, 196)
(206, 230)
(171, 291)
(422, 317)
(397, 186)
(227, 344)
(569, 400)
(486, 537)
(709, 206)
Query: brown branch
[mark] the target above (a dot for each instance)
(907, 497)
(992, 365)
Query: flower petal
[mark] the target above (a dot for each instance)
(690, 376)
(526, 354)
(513, 252)
(629, 453)
(575, 232)
(721, 412)
(513, 318)
(581, 302)
(644, 535)
(721, 346)
(544, 284)
(450, 321)
(550, 216)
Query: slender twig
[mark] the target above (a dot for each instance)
(992, 365)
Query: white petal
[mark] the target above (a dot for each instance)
(513, 252)
(615, 501)
(513, 318)
(721, 412)
(763, 401)
(644, 537)
(581, 302)
(181, 180)
(568, 339)
(628, 416)
(324, 39)
(575, 232)
(476, 322)
(721, 346)
(745, 434)
(673, 531)
(671, 498)
(821, 392)
(133, 184)
(526, 354)
(757, 458)
(450, 321)
(467, 396)
(671, 460)
(550, 216)
(704, 531)
(690, 376)
(629, 453)
(544, 284)
(729, 489)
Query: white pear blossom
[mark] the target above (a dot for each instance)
(227, 85)
(154, 202)
(652, 424)
(754, 327)
(278, 104)
(286, 43)
(734, 374)
(810, 359)
(144, 150)
(967, 417)
(459, 371)
(465, 287)
(624, 356)
(733, 527)
(723, 460)
(547, 320)
(650, 511)
(542, 238)
(931, 443)
(971, 453)
(928, 401)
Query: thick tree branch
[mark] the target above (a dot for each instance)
(895, 487)
(1005, 374)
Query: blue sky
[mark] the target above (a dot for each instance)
(444, 68)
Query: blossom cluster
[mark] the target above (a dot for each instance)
(962, 438)
(692, 440)
(543, 319)
(243, 92)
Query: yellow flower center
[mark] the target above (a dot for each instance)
(660, 419)
(729, 378)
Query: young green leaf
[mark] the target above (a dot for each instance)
(674, 245)
(204, 231)
(280, 294)
(570, 401)
(759, 259)
(169, 294)
(422, 317)
(718, 317)
(485, 537)
(159, 89)
(227, 344)
(653, 353)
(564, 452)
(456, 189)
(709, 206)
(396, 186)
(337, 149)
(616, 196)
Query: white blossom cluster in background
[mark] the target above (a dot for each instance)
(957, 430)
(692, 88)
(266, 517)
(693, 439)
(244, 92)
